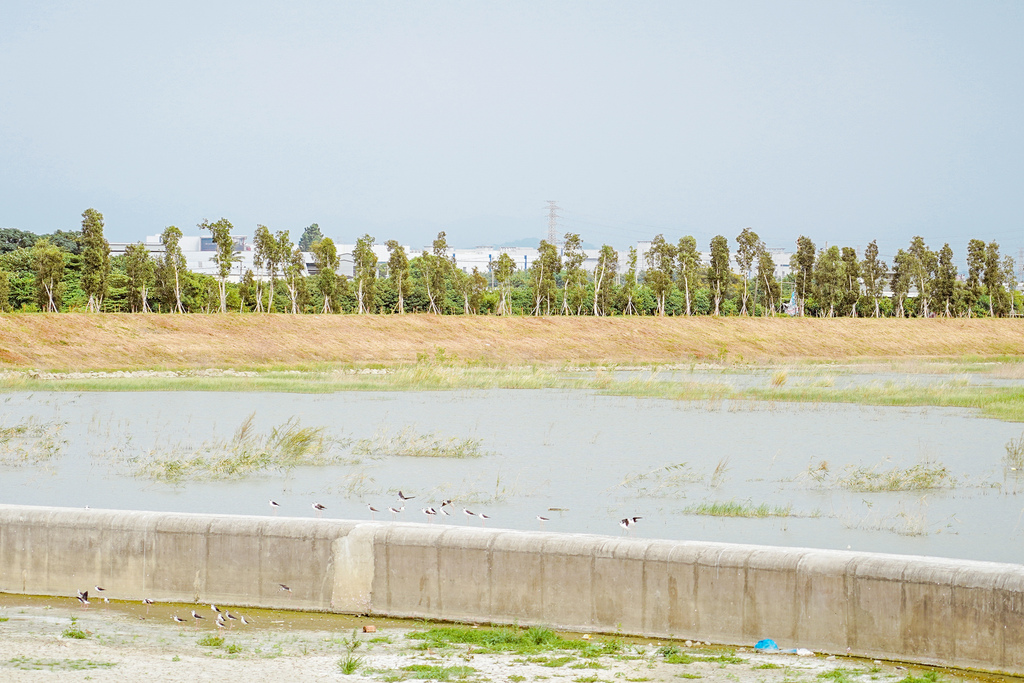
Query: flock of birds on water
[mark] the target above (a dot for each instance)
(626, 523)
(225, 619)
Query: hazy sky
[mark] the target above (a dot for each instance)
(845, 121)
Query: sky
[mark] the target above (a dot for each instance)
(844, 121)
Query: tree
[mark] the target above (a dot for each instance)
(944, 284)
(310, 236)
(922, 265)
(264, 256)
(688, 273)
(224, 257)
(365, 266)
(398, 272)
(171, 266)
(802, 265)
(661, 258)
(246, 288)
(573, 257)
(48, 262)
(95, 259)
(604, 275)
(139, 270)
(295, 280)
(542, 277)
(975, 268)
(747, 244)
(902, 275)
(718, 270)
(5, 291)
(12, 239)
(440, 273)
(993, 277)
(766, 277)
(851, 280)
(503, 269)
(628, 291)
(325, 256)
(873, 272)
(828, 279)
(1010, 280)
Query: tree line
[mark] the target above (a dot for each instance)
(69, 271)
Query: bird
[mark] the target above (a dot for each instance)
(627, 522)
(402, 496)
(99, 589)
(286, 589)
(430, 513)
(542, 519)
(83, 598)
(220, 621)
(275, 505)
(215, 608)
(444, 512)
(468, 513)
(243, 619)
(445, 502)
(147, 602)
(178, 619)
(319, 509)
(483, 519)
(394, 511)
(231, 617)
(197, 617)
(373, 511)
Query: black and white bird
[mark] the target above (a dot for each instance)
(215, 608)
(148, 603)
(197, 617)
(220, 621)
(373, 511)
(468, 513)
(627, 523)
(286, 589)
(402, 496)
(242, 618)
(178, 619)
(83, 598)
(231, 617)
(430, 513)
(394, 511)
(319, 509)
(542, 519)
(483, 519)
(445, 503)
(275, 506)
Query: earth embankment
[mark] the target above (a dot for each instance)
(125, 341)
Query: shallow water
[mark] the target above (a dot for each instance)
(582, 459)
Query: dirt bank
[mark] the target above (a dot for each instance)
(124, 341)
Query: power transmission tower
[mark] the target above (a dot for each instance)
(553, 222)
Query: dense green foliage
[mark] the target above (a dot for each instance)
(73, 271)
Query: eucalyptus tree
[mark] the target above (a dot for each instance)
(503, 269)
(365, 269)
(661, 261)
(48, 262)
(224, 257)
(747, 247)
(851, 280)
(604, 275)
(295, 279)
(247, 288)
(902, 277)
(766, 277)
(718, 270)
(443, 270)
(542, 277)
(264, 256)
(993, 277)
(922, 271)
(325, 256)
(575, 288)
(688, 269)
(873, 273)
(975, 271)
(139, 269)
(477, 287)
(1010, 281)
(828, 280)
(5, 291)
(398, 272)
(944, 284)
(95, 259)
(310, 236)
(628, 290)
(172, 267)
(802, 264)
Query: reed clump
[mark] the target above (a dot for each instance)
(737, 509)
(1013, 461)
(285, 447)
(30, 442)
(919, 477)
(412, 444)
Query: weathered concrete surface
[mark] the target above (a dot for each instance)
(929, 610)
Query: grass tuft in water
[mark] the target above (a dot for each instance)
(920, 477)
(1013, 461)
(735, 509)
(409, 443)
(30, 443)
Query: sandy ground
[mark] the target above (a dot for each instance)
(127, 642)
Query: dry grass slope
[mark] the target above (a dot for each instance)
(124, 341)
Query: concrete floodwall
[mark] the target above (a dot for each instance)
(936, 611)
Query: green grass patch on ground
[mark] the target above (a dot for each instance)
(31, 664)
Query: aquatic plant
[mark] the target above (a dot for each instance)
(412, 444)
(735, 509)
(30, 442)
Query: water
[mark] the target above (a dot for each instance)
(567, 455)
